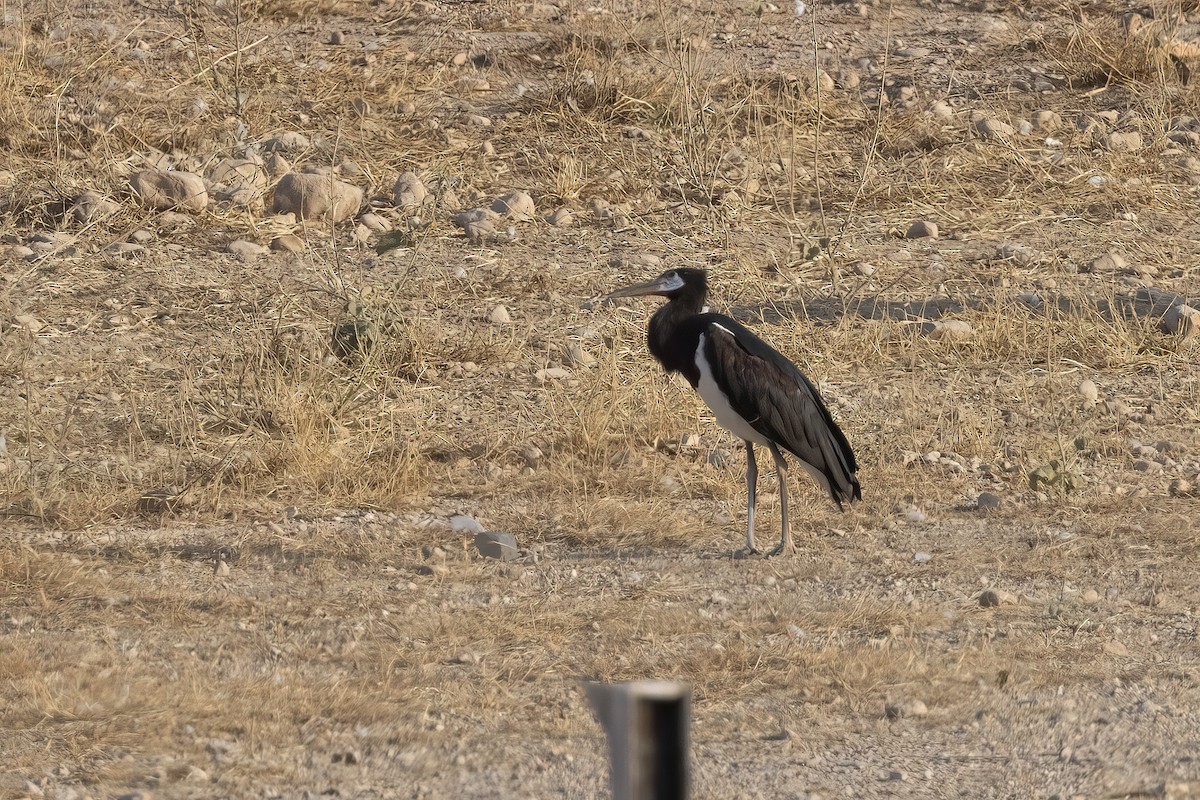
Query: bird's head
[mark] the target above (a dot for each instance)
(671, 284)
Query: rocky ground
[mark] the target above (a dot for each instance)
(299, 296)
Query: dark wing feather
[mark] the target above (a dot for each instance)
(778, 401)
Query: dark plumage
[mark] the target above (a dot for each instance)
(753, 390)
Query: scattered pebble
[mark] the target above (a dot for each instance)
(991, 598)
(1090, 596)
(922, 557)
(165, 190)
(499, 315)
(561, 218)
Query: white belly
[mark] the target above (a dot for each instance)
(715, 399)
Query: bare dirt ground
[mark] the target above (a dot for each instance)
(227, 561)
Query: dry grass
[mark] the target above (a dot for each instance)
(186, 374)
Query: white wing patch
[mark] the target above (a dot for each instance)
(717, 401)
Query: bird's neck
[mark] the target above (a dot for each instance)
(664, 326)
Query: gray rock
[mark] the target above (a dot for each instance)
(494, 544)
(315, 196)
(276, 166)
(561, 218)
(987, 501)
(165, 190)
(408, 191)
(463, 523)
(517, 206)
(91, 206)
(921, 229)
(240, 181)
(989, 598)
(922, 557)
(1182, 320)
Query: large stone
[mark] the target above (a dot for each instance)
(1182, 320)
(288, 142)
(494, 544)
(167, 190)
(477, 223)
(517, 206)
(239, 180)
(91, 206)
(310, 196)
(408, 192)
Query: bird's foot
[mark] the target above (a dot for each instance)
(746, 552)
(782, 548)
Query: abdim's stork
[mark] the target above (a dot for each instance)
(752, 389)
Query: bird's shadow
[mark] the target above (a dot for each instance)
(1142, 304)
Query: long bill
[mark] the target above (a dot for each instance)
(660, 285)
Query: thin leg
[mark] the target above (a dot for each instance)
(751, 492)
(781, 470)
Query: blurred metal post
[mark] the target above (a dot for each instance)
(647, 725)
